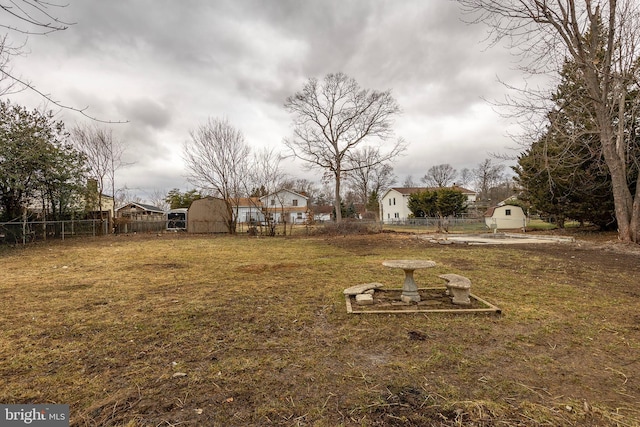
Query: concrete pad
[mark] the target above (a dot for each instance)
(505, 239)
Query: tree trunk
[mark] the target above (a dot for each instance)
(231, 221)
(625, 207)
(338, 201)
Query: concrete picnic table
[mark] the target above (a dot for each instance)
(409, 289)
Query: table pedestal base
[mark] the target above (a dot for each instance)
(409, 289)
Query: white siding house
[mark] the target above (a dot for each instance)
(249, 210)
(394, 205)
(286, 206)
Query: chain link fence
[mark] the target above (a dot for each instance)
(23, 232)
(451, 224)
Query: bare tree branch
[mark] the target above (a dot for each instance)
(331, 120)
(602, 38)
(217, 159)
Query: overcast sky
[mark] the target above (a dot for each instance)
(166, 66)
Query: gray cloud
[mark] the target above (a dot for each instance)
(166, 66)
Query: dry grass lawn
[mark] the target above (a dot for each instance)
(236, 331)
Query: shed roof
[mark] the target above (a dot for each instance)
(489, 213)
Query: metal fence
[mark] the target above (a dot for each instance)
(24, 232)
(453, 224)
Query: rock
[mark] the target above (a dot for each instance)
(358, 289)
(370, 291)
(364, 299)
(179, 375)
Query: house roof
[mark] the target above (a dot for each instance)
(145, 207)
(288, 191)
(408, 190)
(324, 209)
(411, 190)
(249, 202)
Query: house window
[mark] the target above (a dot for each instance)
(389, 202)
(388, 216)
(294, 202)
(394, 201)
(507, 212)
(273, 202)
(299, 215)
(396, 215)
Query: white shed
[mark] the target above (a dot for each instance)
(505, 217)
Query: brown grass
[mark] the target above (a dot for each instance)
(259, 326)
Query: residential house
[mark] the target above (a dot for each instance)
(323, 213)
(140, 212)
(139, 217)
(108, 208)
(286, 206)
(249, 210)
(394, 204)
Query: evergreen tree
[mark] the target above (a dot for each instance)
(437, 203)
(37, 163)
(176, 199)
(563, 173)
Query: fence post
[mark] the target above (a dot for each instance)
(24, 227)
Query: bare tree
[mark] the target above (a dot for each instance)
(158, 198)
(367, 175)
(126, 195)
(465, 178)
(409, 182)
(334, 117)
(603, 39)
(217, 160)
(440, 176)
(267, 175)
(104, 157)
(302, 186)
(487, 175)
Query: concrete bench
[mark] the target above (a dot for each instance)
(458, 288)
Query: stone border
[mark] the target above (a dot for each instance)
(413, 308)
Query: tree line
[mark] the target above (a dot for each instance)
(45, 168)
(339, 128)
(591, 133)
